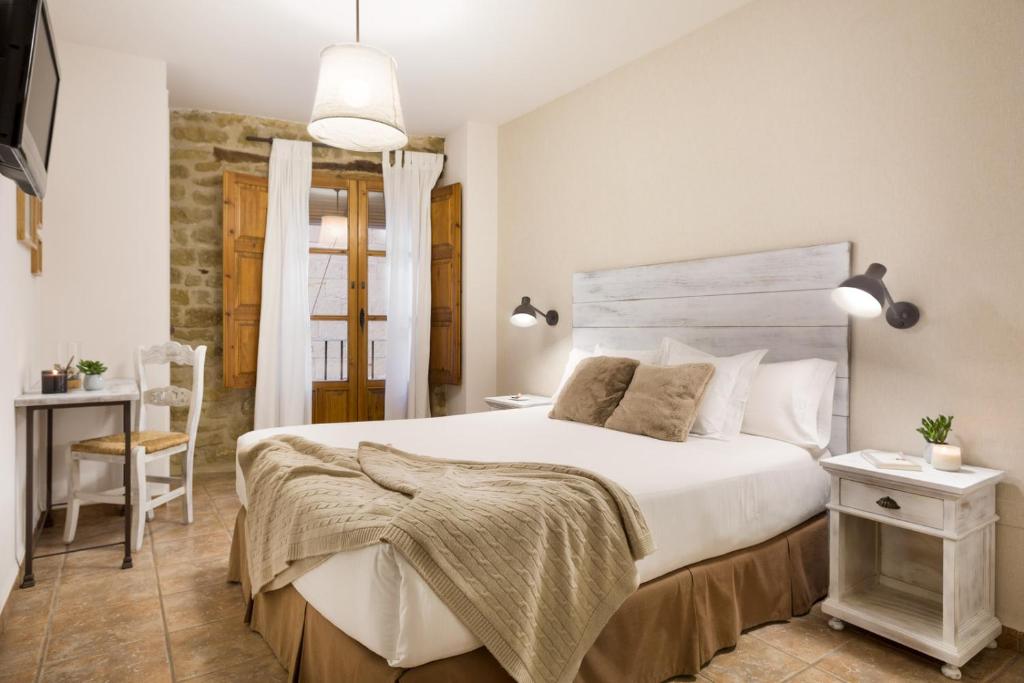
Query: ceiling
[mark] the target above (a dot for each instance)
(458, 60)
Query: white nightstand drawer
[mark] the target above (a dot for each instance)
(910, 507)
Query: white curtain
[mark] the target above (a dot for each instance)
(284, 367)
(407, 185)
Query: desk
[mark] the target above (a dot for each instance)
(117, 392)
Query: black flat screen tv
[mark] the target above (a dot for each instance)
(29, 83)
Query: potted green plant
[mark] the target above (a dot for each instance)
(93, 371)
(940, 454)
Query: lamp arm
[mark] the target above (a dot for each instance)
(538, 311)
(888, 296)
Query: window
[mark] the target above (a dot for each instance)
(328, 283)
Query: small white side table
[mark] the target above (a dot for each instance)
(912, 556)
(525, 401)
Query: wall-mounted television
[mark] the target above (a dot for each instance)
(29, 81)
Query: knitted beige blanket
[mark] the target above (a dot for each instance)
(532, 558)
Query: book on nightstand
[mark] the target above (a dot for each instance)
(887, 460)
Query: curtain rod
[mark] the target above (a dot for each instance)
(256, 138)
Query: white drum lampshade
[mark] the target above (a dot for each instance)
(333, 230)
(357, 104)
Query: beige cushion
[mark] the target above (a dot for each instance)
(662, 401)
(113, 444)
(594, 389)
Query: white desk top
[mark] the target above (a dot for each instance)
(114, 389)
(525, 401)
(966, 480)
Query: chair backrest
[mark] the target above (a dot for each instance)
(176, 397)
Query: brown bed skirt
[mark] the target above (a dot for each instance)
(669, 627)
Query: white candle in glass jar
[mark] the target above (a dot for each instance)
(946, 457)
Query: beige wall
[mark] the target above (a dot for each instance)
(472, 153)
(896, 125)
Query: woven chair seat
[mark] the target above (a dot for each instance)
(113, 444)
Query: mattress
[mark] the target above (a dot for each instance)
(701, 499)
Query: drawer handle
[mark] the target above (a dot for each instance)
(887, 503)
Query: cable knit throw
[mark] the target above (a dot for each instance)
(532, 558)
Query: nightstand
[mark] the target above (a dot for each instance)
(527, 401)
(912, 556)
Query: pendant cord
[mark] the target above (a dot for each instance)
(357, 21)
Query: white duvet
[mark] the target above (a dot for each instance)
(701, 498)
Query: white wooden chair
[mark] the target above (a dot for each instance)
(147, 446)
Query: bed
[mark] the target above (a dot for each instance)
(738, 523)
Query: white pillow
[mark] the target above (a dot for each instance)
(645, 356)
(792, 402)
(575, 356)
(720, 415)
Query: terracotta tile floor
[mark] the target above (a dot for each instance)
(174, 618)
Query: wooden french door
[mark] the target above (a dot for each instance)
(348, 306)
(347, 294)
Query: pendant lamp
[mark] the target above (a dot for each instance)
(357, 105)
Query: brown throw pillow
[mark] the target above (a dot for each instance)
(662, 401)
(594, 389)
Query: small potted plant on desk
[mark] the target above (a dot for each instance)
(940, 454)
(93, 371)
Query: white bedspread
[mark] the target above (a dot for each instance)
(701, 498)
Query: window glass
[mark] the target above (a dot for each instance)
(375, 229)
(328, 284)
(377, 348)
(376, 286)
(323, 202)
(330, 350)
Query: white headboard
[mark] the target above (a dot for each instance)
(778, 300)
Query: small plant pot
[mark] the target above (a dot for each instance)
(946, 457)
(927, 453)
(93, 382)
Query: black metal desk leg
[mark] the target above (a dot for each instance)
(127, 410)
(48, 520)
(29, 579)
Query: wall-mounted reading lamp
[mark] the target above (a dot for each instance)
(525, 315)
(864, 296)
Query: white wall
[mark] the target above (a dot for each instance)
(472, 152)
(105, 282)
(107, 227)
(18, 333)
(897, 125)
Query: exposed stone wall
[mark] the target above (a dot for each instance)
(203, 146)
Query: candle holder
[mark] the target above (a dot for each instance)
(946, 457)
(53, 382)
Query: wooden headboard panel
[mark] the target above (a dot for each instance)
(778, 300)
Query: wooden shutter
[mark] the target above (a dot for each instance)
(245, 224)
(446, 285)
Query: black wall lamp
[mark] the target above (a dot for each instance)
(525, 314)
(864, 296)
